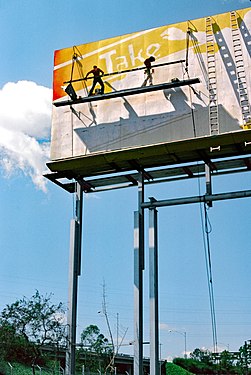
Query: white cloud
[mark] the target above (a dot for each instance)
(25, 120)
(164, 327)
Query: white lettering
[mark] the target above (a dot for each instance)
(152, 50)
(165, 34)
(123, 64)
(132, 55)
(108, 60)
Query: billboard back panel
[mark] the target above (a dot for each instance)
(214, 49)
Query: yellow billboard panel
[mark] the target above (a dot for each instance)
(126, 103)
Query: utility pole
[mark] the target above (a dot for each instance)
(117, 333)
(111, 364)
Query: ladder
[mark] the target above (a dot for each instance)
(212, 79)
(240, 72)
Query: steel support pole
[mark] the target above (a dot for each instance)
(153, 293)
(197, 199)
(138, 279)
(208, 183)
(74, 272)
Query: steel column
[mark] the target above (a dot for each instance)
(208, 183)
(138, 279)
(74, 272)
(153, 293)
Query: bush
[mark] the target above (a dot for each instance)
(194, 366)
(2, 367)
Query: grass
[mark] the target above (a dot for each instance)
(19, 369)
(172, 369)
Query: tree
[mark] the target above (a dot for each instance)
(195, 366)
(202, 356)
(14, 347)
(37, 320)
(226, 362)
(244, 358)
(204, 362)
(93, 340)
(96, 348)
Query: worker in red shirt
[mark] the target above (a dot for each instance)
(97, 73)
(148, 72)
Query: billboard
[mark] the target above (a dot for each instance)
(169, 107)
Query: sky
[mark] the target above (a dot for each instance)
(35, 214)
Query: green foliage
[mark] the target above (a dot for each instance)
(203, 362)
(20, 369)
(204, 356)
(194, 366)
(95, 342)
(172, 369)
(13, 346)
(3, 367)
(28, 324)
(245, 358)
(226, 363)
(36, 319)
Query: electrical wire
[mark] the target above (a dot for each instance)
(76, 58)
(190, 87)
(207, 225)
(207, 251)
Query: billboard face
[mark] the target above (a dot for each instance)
(215, 49)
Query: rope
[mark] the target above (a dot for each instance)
(190, 87)
(187, 48)
(76, 58)
(207, 251)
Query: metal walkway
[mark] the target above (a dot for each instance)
(127, 92)
(153, 176)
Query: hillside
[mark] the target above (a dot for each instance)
(172, 369)
(19, 369)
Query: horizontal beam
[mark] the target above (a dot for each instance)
(198, 199)
(166, 154)
(128, 70)
(169, 174)
(127, 92)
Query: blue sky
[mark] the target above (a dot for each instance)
(35, 214)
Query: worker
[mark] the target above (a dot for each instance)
(97, 73)
(148, 71)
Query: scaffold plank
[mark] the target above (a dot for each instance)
(127, 92)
